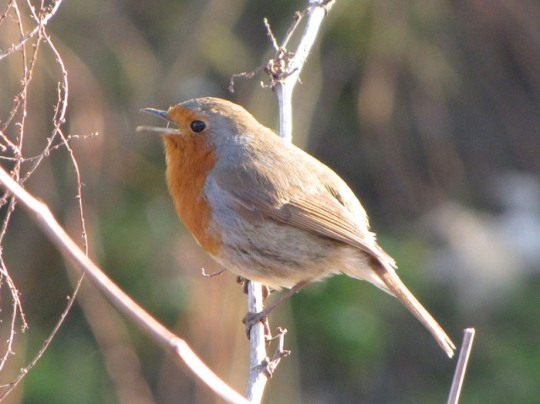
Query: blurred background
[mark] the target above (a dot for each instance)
(430, 110)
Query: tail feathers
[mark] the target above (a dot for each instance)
(398, 289)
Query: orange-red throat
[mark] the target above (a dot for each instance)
(189, 160)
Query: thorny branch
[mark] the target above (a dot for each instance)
(276, 68)
(12, 141)
(280, 67)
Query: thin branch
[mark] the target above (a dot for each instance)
(257, 343)
(280, 353)
(19, 109)
(58, 120)
(17, 311)
(48, 13)
(461, 367)
(271, 35)
(285, 85)
(10, 386)
(69, 249)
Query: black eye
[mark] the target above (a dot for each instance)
(197, 126)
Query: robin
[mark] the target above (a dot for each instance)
(267, 210)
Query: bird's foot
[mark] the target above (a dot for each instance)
(251, 319)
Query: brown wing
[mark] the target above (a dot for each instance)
(323, 215)
(317, 209)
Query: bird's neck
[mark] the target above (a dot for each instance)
(189, 161)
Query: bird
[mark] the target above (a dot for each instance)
(267, 210)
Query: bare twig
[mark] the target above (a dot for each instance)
(17, 312)
(10, 386)
(461, 366)
(271, 34)
(277, 67)
(284, 87)
(44, 17)
(69, 249)
(257, 341)
(280, 353)
(213, 274)
(17, 118)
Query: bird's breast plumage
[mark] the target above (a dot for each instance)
(189, 161)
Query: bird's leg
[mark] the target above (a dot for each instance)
(253, 318)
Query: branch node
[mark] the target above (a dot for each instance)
(269, 365)
(279, 67)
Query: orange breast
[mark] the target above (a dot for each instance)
(188, 162)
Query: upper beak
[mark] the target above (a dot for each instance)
(163, 115)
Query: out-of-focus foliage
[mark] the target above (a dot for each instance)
(428, 109)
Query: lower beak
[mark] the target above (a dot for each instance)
(161, 114)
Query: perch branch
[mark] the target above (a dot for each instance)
(285, 85)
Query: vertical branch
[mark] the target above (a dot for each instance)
(284, 86)
(461, 366)
(257, 356)
(284, 82)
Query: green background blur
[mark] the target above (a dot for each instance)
(429, 109)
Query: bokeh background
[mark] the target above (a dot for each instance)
(430, 110)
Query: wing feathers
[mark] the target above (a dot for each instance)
(320, 211)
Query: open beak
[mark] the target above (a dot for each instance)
(161, 114)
